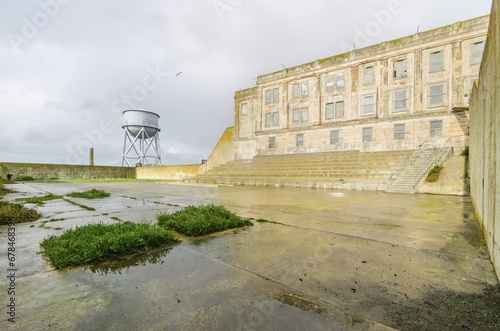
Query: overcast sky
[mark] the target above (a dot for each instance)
(68, 68)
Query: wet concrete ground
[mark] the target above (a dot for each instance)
(328, 260)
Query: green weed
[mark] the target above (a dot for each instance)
(24, 179)
(40, 199)
(99, 242)
(201, 220)
(16, 213)
(433, 175)
(89, 194)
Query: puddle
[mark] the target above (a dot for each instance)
(116, 266)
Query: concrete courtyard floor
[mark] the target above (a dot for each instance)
(328, 260)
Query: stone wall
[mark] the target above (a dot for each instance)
(171, 172)
(484, 140)
(63, 171)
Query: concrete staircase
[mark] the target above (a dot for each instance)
(415, 169)
(335, 170)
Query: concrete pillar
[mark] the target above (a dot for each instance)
(91, 156)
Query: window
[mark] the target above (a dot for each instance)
(399, 131)
(400, 101)
(300, 114)
(244, 109)
(334, 110)
(368, 105)
(272, 96)
(329, 83)
(400, 69)
(476, 52)
(268, 97)
(334, 137)
(368, 75)
(299, 140)
(436, 62)
(340, 83)
(272, 142)
(367, 134)
(276, 95)
(334, 82)
(300, 89)
(436, 95)
(436, 129)
(330, 111)
(272, 119)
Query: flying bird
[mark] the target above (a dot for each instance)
(178, 74)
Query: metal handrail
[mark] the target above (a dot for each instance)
(440, 155)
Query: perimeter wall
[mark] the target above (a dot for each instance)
(484, 140)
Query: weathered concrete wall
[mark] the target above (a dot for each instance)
(172, 172)
(222, 152)
(47, 171)
(484, 140)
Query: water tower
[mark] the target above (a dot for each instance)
(142, 139)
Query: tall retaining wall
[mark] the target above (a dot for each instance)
(484, 140)
(172, 172)
(47, 171)
(222, 152)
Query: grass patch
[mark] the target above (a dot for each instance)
(40, 199)
(3, 190)
(24, 179)
(99, 242)
(17, 213)
(261, 220)
(89, 194)
(433, 175)
(195, 221)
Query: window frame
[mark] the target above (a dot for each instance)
(271, 142)
(399, 73)
(395, 101)
(298, 115)
(436, 65)
(443, 95)
(367, 133)
(436, 131)
(363, 105)
(244, 109)
(299, 140)
(474, 59)
(400, 131)
(334, 137)
(369, 75)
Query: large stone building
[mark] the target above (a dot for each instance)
(397, 95)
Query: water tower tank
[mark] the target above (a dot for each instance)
(135, 120)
